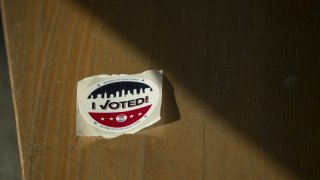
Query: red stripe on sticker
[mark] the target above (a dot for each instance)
(120, 119)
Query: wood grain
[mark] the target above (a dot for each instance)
(244, 74)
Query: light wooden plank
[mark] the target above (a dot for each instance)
(240, 95)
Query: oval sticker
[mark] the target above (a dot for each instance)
(119, 104)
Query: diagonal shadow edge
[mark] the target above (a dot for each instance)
(261, 61)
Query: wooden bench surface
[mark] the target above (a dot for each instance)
(241, 97)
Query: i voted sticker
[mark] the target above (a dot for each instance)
(118, 104)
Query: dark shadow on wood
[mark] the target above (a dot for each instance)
(9, 151)
(261, 60)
